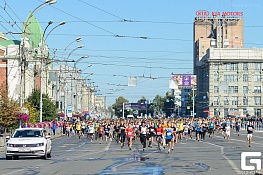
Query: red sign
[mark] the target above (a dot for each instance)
(202, 13)
(205, 13)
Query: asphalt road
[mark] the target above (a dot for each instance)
(73, 156)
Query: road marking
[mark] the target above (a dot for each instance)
(108, 146)
(242, 141)
(232, 164)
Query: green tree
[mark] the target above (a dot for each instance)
(49, 111)
(33, 112)
(8, 108)
(142, 100)
(118, 106)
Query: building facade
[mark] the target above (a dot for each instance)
(232, 80)
(216, 35)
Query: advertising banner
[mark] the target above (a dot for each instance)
(135, 106)
(184, 81)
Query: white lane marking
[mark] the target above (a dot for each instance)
(243, 141)
(232, 164)
(108, 146)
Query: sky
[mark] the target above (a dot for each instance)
(147, 39)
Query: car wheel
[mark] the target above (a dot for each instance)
(8, 157)
(15, 157)
(49, 155)
(45, 156)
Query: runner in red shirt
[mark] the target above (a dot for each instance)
(129, 134)
(159, 135)
(100, 132)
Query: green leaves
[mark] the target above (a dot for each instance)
(8, 109)
(49, 111)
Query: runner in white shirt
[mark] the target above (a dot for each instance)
(91, 131)
(227, 128)
(186, 129)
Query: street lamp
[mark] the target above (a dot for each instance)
(79, 60)
(86, 67)
(79, 47)
(23, 64)
(41, 66)
(76, 40)
(60, 24)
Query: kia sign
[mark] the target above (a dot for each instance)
(205, 13)
(202, 13)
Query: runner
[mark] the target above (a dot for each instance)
(143, 130)
(129, 134)
(228, 128)
(186, 130)
(168, 137)
(198, 131)
(100, 132)
(238, 123)
(106, 131)
(151, 134)
(181, 129)
(78, 129)
(159, 133)
(91, 131)
(250, 129)
(211, 128)
(174, 139)
(122, 133)
(83, 128)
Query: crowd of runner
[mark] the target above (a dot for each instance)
(164, 132)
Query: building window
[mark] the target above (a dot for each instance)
(257, 78)
(226, 100)
(216, 89)
(245, 78)
(231, 67)
(216, 77)
(258, 112)
(257, 100)
(257, 66)
(216, 101)
(231, 78)
(233, 89)
(245, 66)
(245, 89)
(257, 89)
(216, 66)
(245, 100)
(234, 101)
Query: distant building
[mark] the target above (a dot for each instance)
(229, 80)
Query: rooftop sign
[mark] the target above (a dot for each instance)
(205, 13)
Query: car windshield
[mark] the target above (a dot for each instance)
(28, 133)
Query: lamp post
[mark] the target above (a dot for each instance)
(23, 64)
(76, 85)
(79, 47)
(76, 40)
(41, 67)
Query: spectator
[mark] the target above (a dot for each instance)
(54, 127)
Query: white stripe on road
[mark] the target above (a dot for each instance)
(108, 146)
(231, 163)
(243, 141)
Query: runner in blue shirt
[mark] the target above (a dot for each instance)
(169, 136)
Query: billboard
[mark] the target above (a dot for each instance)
(183, 81)
(135, 106)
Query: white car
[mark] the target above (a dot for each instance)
(28, 142)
